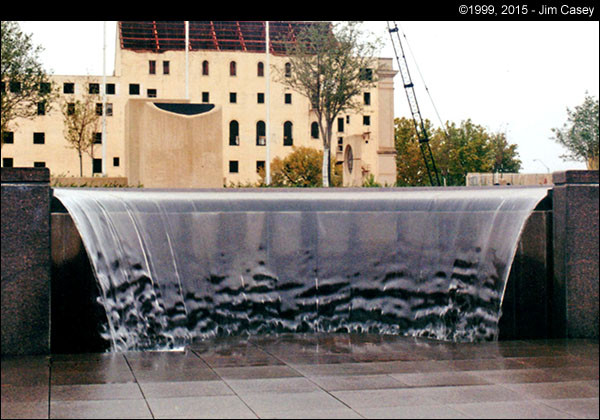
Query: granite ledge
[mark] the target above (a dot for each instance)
(18, 175)
(575, 177)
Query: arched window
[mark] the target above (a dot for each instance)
(232, 68)
(314, 130)
(287, 134)
(205, 68)
(261, 138)
(234, 133)
(288, 69)
(260, 69)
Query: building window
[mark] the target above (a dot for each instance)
(39, 138)
(205, 68)
(234, 133)
(68, 88)
(232, 68)
(366, 120)
(97, 166)
(260, 166)
(45, 87)
(260, 98)
(288, 69)
(70, 108)
(134, 89)
(7, 162)
(166, 67)
(94, 88)
(41, 108)
(39, 164)
(314, 130)
(287, 134)
(116, 161)
(14, 87)
(233, 167)
(260, 133)
(109, 109)
(98, 138)
(260, 69)
(151, 93)
(366, 74)
(340, 125)
(288, 98)
(232, 97)
(110, 88)
(152, 67)
(367, 98)
(205, 97)
(340, 144)
(8, 137)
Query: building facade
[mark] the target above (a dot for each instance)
(224, 69)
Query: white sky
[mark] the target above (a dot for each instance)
(516, 77)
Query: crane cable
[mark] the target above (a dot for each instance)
(442, 124)
(417, 118)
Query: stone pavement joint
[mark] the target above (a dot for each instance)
(312, 376)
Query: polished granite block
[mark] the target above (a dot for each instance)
(575, 254)
(25, 261)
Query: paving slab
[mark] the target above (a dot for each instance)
(311, 376)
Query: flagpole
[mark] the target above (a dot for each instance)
(187, 72)
(268, 105)
(104, 102)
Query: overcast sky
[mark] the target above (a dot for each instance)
(514, 77)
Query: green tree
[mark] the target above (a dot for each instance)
(579, 135)
(410, 167)
(330, 65)
(81, 121)
(25, 84)
(506, 157)
(457, 150)
(301, 168)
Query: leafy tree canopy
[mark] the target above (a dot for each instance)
(301, 168)
(330, 65)
(579, 135)
(24, 81)
(457, 150)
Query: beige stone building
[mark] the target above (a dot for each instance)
(197, 118)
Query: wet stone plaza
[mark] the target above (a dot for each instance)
(312, 376)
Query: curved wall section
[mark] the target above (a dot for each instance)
(178, 146)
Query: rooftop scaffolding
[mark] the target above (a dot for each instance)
(160, 36)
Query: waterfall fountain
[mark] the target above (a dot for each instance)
(175, 266)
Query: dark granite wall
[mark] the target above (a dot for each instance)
(76, 315)
(525, 308)
(575, 227)
(25, 260)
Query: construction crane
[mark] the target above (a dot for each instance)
(414, 106)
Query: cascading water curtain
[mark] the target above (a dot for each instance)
(177, 266)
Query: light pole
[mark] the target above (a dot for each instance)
(546, 166)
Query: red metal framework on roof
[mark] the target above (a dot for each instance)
(160, 36)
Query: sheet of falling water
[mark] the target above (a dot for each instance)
(178, 266)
